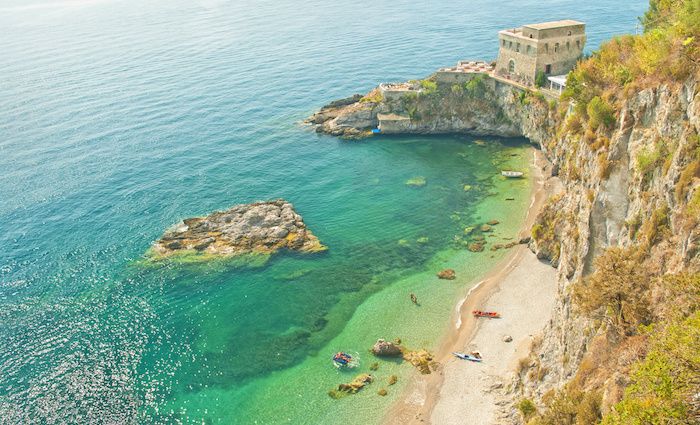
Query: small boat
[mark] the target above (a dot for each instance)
(343, 359)
(489, 314)
(376, 131)
(511, 174)
(470, 357)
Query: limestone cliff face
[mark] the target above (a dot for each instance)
(634, 183)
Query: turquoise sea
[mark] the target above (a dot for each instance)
(120, 117)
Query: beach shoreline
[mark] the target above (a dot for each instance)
(461, 392)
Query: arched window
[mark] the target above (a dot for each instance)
(556, 47)
(530, 35)
(546, 47)
(511, 66)
(568, 46)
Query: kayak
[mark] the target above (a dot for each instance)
(488, 314)
(470, 357)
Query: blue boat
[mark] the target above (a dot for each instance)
(343, 359)
(376, 131)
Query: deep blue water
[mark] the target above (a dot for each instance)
(119, 118)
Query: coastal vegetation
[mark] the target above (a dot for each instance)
(641, 364)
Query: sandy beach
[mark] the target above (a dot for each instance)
(523, 290)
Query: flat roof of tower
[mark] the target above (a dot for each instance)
(554, 24)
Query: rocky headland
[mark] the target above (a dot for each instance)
(257, 228)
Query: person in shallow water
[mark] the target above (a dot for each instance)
(414, 299)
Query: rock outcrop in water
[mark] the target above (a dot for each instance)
(359, 382)
(350, 117)
(447, 274)
(258, 228)
(384, 348)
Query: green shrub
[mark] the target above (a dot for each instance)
(600, 113)
(665, 382)
(527, 408)
(570, 406)
(429, 86)
(540, 79)
(650, 158)
(476, 87)
(618, 289)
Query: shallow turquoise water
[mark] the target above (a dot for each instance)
(119, 118)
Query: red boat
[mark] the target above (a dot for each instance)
(489, 314)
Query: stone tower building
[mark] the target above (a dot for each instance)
(550, 47)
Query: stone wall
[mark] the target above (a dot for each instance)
(394, 92)
(525, 63)
(455, 77)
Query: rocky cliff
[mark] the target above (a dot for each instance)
(630, 171)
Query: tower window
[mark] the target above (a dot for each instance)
(511, 66)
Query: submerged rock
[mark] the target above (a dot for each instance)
(476, 246)
(382, 392)
(447, 274)
(418, 181)
(352, 387)
(383, 348)
(258, 228)
(421, 359)
(393, 379)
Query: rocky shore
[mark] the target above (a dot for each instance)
(482, 105)
(352, 117)
(257, 228)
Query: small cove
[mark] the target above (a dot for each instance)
(121, 119)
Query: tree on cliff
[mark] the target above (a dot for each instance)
(618, 290)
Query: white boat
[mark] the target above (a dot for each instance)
(470, 357)
(511, 174)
